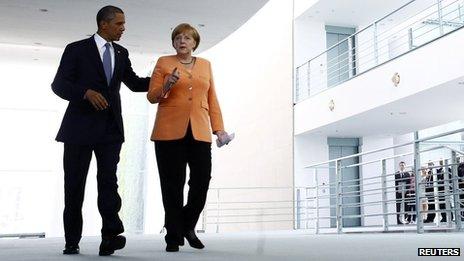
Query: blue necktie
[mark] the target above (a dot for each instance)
(107, 63)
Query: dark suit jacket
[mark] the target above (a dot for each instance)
(406, 179)
(81, 69)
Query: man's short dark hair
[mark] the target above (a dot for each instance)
(402, 162)
(107, 14)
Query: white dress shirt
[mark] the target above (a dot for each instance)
(101, 49)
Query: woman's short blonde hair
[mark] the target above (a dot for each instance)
(186, 28)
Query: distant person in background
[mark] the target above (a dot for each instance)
(461, 185)
(411, 199)
(423, 200)
(402, 182)
(429, 190)
(444, 173)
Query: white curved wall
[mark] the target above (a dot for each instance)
(253, 75)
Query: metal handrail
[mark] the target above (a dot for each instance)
(354, 60)
(365, 28)
(386, 148)
(446, 195)
(311, 205)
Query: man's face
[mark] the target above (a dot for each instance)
(402, 165)
(114, 28)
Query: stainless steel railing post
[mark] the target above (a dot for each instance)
(384, 195)
(298, 207)
(317, 200)
(440, 17)
(217, 213)
(338, 192)
(418, 194)
(447, 194)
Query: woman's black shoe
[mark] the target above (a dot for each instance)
(193, 240)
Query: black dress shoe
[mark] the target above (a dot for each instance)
(110, 244)
(71, 250)
(193, 240)
(172, 248)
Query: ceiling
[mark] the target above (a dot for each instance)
(432, 107)
(52, 23)
(354, 13)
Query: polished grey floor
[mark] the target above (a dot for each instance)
(294, 245)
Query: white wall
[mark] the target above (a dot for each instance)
(253, 75)
(370, 143)
(309, 41)
(30, 192)
(302, 5)
(311, 149)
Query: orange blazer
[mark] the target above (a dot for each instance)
(192, 98)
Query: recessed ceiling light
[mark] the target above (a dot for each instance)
(43, 10)
(35, 59)
(37, 43)
(201, 25)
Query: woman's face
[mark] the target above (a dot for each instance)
(184, 43)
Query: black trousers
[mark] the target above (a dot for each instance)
(411, 205)
(442, 206)
(76, 162)
(401, 201)
(461, 198)
(172, 158)
(431, 204)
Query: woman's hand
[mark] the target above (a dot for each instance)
(172, 79)
(222, 135)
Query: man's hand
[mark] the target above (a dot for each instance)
(96, 99)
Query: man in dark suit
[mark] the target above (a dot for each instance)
(89, 77)
(441, 177)
(461, 185)
(402, 182)
(429, 190)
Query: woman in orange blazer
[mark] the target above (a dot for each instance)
(188, 112)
